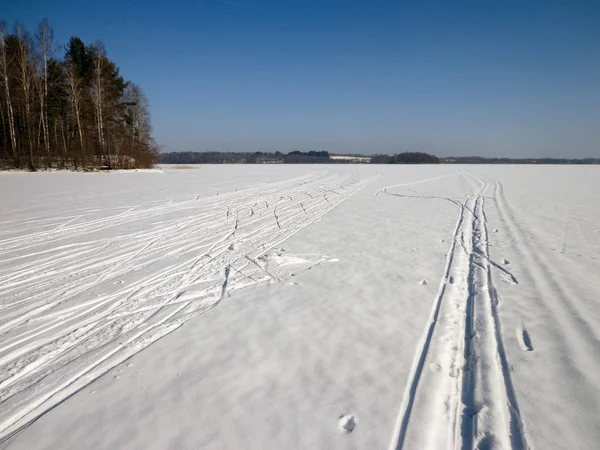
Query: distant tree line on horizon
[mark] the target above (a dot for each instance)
(295, 157)
(406, 158)
(323, 157)
(74, 111)
(484, 160)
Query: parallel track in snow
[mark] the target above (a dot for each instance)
(460, 394)
(67, 316)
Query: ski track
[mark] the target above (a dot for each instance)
(460, 394)
(57, 335)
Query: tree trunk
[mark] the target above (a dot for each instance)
(25, 79)
(62, 126)
(75, 100)
(7, 93)
(45, 37)
(98, 98)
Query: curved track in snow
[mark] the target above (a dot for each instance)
(57, 333)
(460, 393)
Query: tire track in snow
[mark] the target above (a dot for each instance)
(459, 393)
(57, 336)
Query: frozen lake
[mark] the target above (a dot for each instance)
(272, 306)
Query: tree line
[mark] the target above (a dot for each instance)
(71, 111)
(485, 160)
(295, 157)
(406, 158)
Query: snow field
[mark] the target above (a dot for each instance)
(58, 334)
(361, 307)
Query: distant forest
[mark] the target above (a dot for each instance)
(295, 157)
(315, 157)
(406, 158)
(482, 160)
(73, 110)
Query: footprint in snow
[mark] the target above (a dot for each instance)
(435, 367)
(347, 423)
(524, 339)
(488, 442)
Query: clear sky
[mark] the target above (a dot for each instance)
(493, 78)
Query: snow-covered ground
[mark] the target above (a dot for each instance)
(301, 307)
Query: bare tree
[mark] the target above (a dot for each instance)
(64, 142)
(138, 114)
(4, 73)
(44, 37)
(25, 78)
(98, 91)
(75, 98)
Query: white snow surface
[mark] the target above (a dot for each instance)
(301, 307)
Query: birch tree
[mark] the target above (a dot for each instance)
(74, 92)
(98, 88)
(45, 37)
(4, 73)
(25, 77)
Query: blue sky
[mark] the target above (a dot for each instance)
(493, 78)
